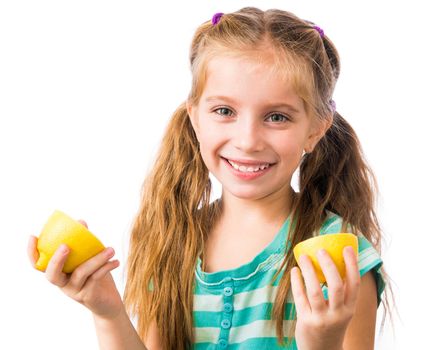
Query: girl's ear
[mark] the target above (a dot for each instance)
(191, 110)
(318, 130)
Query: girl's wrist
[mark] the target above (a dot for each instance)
(313, 347)
(312, 341)
(321, 346)
(111, 317)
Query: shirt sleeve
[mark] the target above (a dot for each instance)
(370, 260)
(368, 257)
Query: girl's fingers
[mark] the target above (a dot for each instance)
(54, 269)
(352, 278)
(333, 279)
(298, 292)
(313, 289)
(84, 271)
(32, 250)
(83, 223)
(106, 268)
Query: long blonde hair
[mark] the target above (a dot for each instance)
(175, 215)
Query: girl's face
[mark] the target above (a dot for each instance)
(252, 128)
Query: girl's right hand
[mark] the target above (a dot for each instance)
(90, 284)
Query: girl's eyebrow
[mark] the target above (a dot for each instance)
(272, 105)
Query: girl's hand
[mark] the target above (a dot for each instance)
(321, 324)
(90, 284)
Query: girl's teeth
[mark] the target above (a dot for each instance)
(249, 169)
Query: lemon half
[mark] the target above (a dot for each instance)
(61, 228)
(333, 243)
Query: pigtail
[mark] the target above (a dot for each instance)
(168, 235)
(334, 177)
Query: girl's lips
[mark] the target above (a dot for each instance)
(247, 175)
(248, 162)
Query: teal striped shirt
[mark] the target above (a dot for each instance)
(232, 308)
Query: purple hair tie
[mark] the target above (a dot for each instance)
(333, 105)
(216, 17)
(320, 30)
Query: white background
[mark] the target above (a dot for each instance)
(86, 89)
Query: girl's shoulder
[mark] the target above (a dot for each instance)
(332, 224)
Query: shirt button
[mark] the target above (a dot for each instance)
(223, 344)
(227, 307)
(228, 291)
(225, 324)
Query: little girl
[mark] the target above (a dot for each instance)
(221, 274)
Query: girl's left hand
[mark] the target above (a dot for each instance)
(321, 324)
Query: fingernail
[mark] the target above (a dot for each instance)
(109, 251)
(294, 269)
(321, 252)
(349, 249)
(63, 249)
(303, 258)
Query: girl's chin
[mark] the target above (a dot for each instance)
(241, 192)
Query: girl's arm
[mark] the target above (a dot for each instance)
(117, 333)
(153, 340)
(120, 334)
(361, 330)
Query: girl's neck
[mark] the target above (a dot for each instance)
(250, 226)
(273, 209)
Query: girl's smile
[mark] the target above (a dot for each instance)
(248, 170)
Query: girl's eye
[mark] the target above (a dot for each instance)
(280, 117)
(226, 110)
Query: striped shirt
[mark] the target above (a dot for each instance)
(232, 308)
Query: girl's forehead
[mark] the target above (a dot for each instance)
(247, 78)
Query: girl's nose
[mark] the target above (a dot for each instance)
(248, 135)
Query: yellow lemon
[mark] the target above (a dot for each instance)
(60, 228)
(333, 243)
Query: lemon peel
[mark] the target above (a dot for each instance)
(61, 228)
(333, 243)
